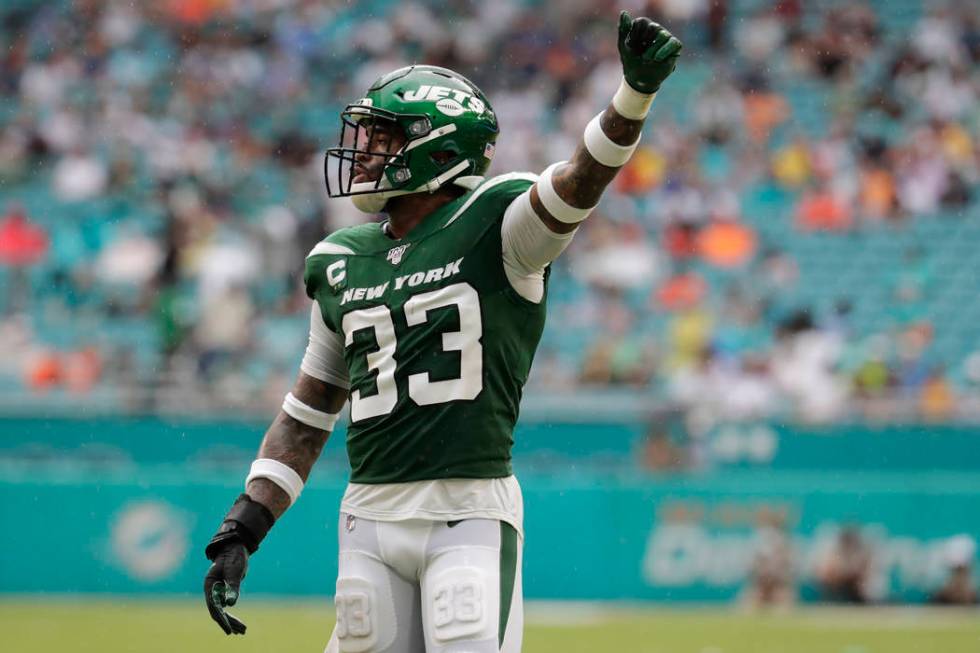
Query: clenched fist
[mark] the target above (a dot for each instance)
(648, 52)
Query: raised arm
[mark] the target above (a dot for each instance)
(568, 191)
(539, 224)
(291, 446)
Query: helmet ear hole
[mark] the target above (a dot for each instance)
(442, 157)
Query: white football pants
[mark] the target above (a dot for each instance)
(419, 586)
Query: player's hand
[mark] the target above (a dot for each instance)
(223, 584)
(648, 52)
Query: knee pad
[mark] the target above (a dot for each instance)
(462, 605)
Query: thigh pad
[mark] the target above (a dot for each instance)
(462, 604)
(363, 622)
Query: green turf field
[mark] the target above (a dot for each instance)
(115, 626)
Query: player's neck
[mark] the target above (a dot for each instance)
(406, 212)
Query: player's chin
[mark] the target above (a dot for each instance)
(363, 177)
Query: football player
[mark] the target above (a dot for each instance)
(427, 322)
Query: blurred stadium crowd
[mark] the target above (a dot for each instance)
(794, 238)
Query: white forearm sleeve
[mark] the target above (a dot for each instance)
(324, 358)
(528, 247)
(279, 473)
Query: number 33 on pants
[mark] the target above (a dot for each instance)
(417, 586)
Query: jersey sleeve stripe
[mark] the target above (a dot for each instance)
(329, 248)
(527, 176)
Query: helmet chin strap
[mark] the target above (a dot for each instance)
(374, 203)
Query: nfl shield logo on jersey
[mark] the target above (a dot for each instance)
(395, 253)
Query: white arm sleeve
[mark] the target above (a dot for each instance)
(324, 358)
(528, 246)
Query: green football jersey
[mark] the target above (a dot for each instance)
(438, 344)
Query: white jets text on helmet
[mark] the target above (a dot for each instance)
(465, 100)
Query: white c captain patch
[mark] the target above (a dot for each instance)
(336, 272)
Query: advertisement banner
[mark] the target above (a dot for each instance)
(588, 536)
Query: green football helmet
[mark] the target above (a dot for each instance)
(449, 129)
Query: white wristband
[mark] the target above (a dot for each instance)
(630, 103)
(603, 149)
(307, 414)
(281, 474)
(556, 206)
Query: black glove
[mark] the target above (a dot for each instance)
(238, 537)
(648, 52)
(223, 584)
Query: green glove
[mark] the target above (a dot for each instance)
(648, 52)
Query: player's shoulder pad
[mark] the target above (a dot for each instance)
(346, 241)
(495, 193)
(338, 245)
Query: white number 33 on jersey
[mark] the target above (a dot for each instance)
(421, 389)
